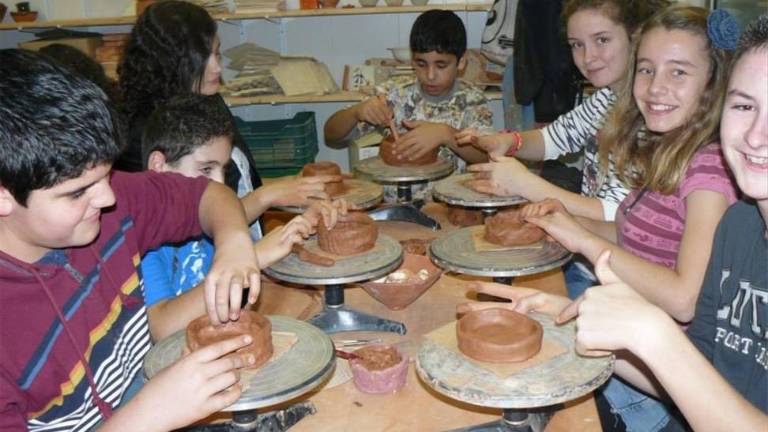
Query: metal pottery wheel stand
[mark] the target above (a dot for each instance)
(335, 317)
(300, 369)
(456, 252)
(527, 396)
(360, 194)
(451, 190)
(404, 177)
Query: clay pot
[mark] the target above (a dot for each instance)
(24, 16)
(403, 286)
(498, 336)
(419, 2)
(368, 3)
(387, 154)
(368, 374)
(326, 168)
(354, 233)
(200, 333)
(462, 217)
(326, 4)
(507, 229)
(393, 2)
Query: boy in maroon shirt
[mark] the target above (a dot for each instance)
(73, 327)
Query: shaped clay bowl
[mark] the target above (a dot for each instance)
(380, 381)
(354, 233)
(200, 333)
(498, 336)
(397, 296)
(505, 228)
(24, 17)
(387, 154)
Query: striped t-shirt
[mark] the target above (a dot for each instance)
(577, 130)
(650, 225)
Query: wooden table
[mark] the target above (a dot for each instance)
(416, 407)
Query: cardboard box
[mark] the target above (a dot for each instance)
(87, 45)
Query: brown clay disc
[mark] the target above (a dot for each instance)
(387, 154)
(326, 168)
(507, 229)
(498, 336)
(200, 333)
(353, 233)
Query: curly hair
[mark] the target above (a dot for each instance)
(658, 161)
(165, 56)
(184, 124)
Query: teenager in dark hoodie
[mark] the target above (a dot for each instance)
(73, 325)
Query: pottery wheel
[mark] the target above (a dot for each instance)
(385, 257)
(378, 171)
(360, 194)
(456, 252)
(451, 190)
(560, 379)
(298, 370)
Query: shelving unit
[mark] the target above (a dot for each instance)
(343, 96)
(127, 20)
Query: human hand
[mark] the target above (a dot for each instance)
(563, 227)
(298, 191)
(278, 243)
(494, 144)
(326, 211)
(234, 268)
(523, 299)
(375, 111)
(421, 138)
(197, 385)
(542, 208)
(613, 316)
(504, 176)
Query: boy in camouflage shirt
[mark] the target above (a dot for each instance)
(427, 109)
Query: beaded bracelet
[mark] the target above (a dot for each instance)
(518, 142)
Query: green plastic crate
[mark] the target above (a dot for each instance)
(281, 147)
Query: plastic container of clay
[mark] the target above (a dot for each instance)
(379, 381)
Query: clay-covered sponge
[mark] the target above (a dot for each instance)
(498, 336)
(506, 228)
(354, 233)
(200, 333)
(379, 369)
(326, 168)
(387, 154)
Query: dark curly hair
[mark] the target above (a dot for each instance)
(165, 56)
(55, 124)
(184, 124)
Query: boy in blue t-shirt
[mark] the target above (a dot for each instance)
(192, 136)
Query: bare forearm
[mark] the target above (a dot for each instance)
(169, 316)
(340, 123)
(532, 148)
(698, 389)
(662, 286)
(535, 188)
(604, 229)
(256, 203)
(221, 214)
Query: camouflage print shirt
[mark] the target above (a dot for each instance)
(465, 106)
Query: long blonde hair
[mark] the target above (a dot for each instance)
(658, 161)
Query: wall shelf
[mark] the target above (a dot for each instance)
(343, 96)
(127, 20)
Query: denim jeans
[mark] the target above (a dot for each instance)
(577, 278)
(638, 411)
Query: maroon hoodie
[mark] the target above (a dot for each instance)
(69, 375)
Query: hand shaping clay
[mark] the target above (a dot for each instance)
(387, 154)
(354, 233)
(326, 168)
(200, 333)
(498, 335)
(379, 369)
(507, 229)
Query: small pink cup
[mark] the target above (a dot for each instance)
(382, 381)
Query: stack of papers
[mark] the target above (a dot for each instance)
(213, 6)
(258, 6)
(254, 77)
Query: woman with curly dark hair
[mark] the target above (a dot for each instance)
(174, 49)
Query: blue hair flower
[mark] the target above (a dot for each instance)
(723, 30)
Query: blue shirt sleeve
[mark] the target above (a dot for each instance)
(157, 273)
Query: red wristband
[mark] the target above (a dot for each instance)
(518, 143)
